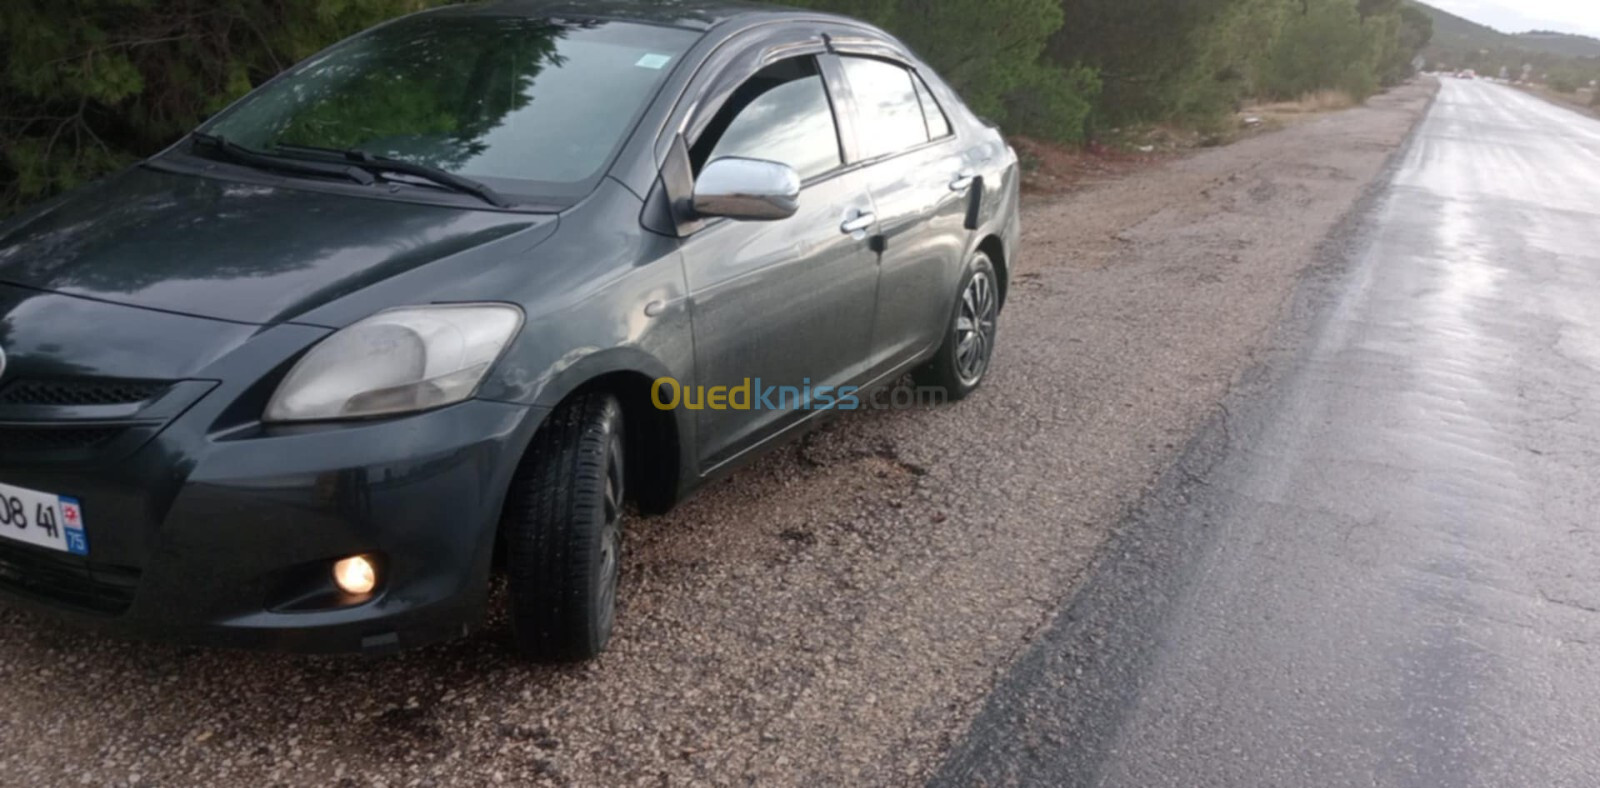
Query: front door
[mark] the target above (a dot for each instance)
(785, 307)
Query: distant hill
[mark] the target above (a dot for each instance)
(1452, 33)
(1559, 43)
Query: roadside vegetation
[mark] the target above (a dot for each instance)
(93, 85)
(1066, 70)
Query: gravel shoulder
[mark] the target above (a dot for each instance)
(835, 613)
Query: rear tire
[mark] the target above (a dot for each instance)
(563, 532)
(962, 362)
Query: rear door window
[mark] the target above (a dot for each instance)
(891, 117)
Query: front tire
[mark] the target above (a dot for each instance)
(563, 532)
(963, 359)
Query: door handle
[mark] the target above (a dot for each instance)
(961, 183)
(859, 224)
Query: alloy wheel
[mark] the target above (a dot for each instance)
(975, 327)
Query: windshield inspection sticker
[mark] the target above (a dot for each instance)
(653, 61)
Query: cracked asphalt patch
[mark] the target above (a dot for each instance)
(836, 612)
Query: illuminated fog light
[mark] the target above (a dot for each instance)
(355, 575)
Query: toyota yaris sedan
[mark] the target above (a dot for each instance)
(461, 293)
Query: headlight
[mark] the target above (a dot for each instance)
(397, 361)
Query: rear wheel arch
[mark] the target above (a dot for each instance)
(996, 250)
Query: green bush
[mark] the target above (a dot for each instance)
(1146, 51)
(1197, 62)
(1564, 83)
(1208, 101)
(988, 50)
(1414, 33)
(1053, 103)
(1323, 48)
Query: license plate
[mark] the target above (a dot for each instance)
(43, 519)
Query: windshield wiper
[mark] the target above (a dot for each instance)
(381, 164)
(241, 155)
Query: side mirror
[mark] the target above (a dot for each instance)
(749, 189)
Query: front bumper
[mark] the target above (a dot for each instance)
(229, 540)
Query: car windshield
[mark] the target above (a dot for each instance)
(530, 107)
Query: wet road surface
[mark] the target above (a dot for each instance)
(1382, 564)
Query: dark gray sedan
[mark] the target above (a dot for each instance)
(456, 292)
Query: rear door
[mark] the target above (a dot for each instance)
(786, 306)
(921, 188)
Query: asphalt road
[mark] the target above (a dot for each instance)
(1381, 566)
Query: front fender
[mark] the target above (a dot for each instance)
(632, 372)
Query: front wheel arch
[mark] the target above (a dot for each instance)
(654, 445)
(659, 460)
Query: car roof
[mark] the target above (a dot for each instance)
(692, 14)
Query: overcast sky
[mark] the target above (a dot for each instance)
(1516, 16)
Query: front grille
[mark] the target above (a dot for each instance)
(81, 392)
(90, 419)
(21, 439)
(67, 579)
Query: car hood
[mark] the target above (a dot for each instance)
(229, 250)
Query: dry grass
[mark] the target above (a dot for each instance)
(1282, 114)
(1051, 169)
(1328, 101)
(1311, 103)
